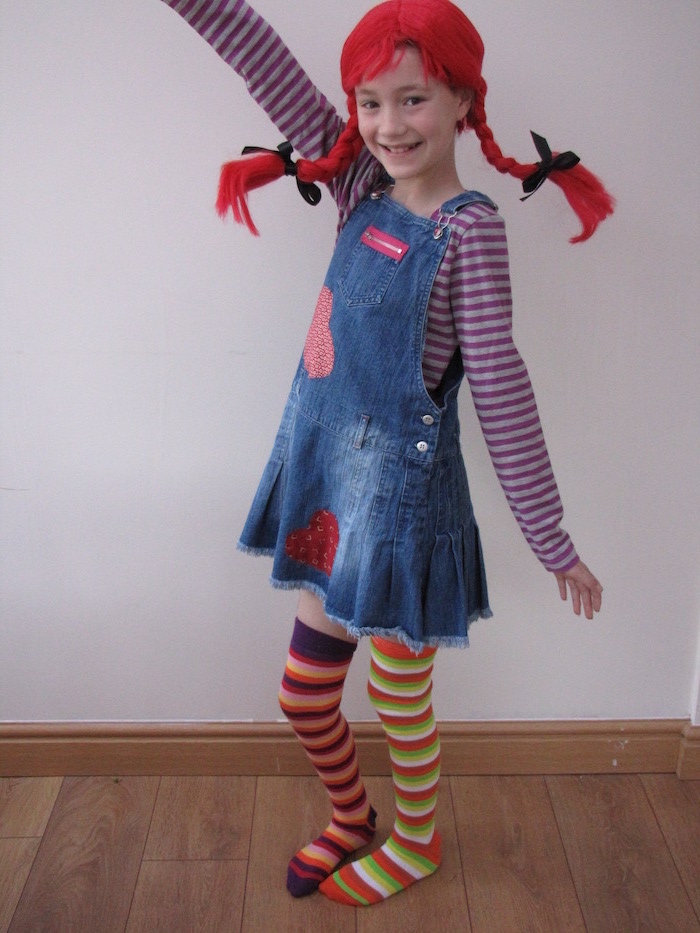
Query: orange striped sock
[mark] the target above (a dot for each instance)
(400, 690)
(310, 695)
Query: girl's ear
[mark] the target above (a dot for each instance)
(466, 99)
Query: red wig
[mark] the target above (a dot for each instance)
(452, 52)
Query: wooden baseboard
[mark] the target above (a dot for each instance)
(689, 754)
(609, 747)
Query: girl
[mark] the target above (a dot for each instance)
(364, 504)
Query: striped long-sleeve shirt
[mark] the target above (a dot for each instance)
(470, 304)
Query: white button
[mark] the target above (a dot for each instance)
(428, 419)
(422, 446)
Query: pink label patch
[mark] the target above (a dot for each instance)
(384, 243)
(319, 353)
(316, 544)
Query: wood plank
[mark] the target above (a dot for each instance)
(622, 869)
(677, 808)
(289, 812)
(182, 897)
(86, 868)
(16, 859)
(515, 868)
(26, 804)
(206, 818)
(435, 903)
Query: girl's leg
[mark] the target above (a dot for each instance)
(400, 690)
(310, 612)
(310, 695)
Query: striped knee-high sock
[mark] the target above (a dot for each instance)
(400, 690)
(310, 695)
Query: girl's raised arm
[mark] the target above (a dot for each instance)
(273, 77)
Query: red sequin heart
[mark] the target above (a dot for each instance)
(316, 544)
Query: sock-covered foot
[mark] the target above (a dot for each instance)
(315, 862)
(393, 868)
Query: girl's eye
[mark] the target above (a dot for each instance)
(368, 104)
(413, 101)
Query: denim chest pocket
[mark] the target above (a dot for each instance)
(371, 267)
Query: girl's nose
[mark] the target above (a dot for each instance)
(392, 122)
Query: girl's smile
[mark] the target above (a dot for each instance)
(408, 122)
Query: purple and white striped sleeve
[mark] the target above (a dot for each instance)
(480, 296)
(278, 83)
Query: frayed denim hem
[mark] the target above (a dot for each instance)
(437, 641)
(255, 551)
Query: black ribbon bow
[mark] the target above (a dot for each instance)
(310, 192)
(558, 163)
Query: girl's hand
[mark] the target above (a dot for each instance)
(584, 587)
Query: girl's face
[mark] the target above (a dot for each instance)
(408, 122)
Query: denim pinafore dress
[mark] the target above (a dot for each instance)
(364, 500)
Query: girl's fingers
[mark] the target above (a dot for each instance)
(587, 604)
(575, 598)
(561, 582)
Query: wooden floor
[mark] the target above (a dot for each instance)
(614, 853)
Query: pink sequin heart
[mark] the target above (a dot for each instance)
(319, 353)
(316, 544)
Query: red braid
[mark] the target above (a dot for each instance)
(243, 175)
(347, 148)
(584, 192)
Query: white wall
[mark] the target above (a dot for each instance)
(146, 350)
(695, 695)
